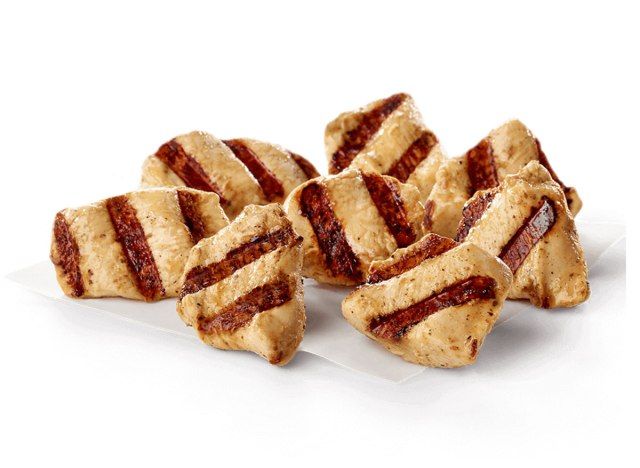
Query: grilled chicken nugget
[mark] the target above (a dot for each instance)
(242, 288)
(386, 136)
(527, 223)
(432, 303)
(134, 245)
(352, 219)
(504, 151)
(241, 171)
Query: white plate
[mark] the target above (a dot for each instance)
(327, 335)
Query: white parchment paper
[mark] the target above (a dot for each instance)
(327, 335)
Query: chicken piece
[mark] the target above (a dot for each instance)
(134, 245)
(242, 288)
(432, 303)
(352, 219)
(388, 137)
(240, 171)
(527, 223)
(504, 151)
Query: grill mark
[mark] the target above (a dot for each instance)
(68, 255)
(396, 324)
(187, 168)
(269, 183)
(240, 312)
(356, 139)
(430, 246)
(387, 199)
(474, 348)
(481, 167)
(414, 155)
(542, 158)
(304, 164)
(541, 220)
(131, 236)
(188, 203)
(429, 208)
(340, 259)
(472, 212)
(203, 276)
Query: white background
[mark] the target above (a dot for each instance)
(87, 92)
